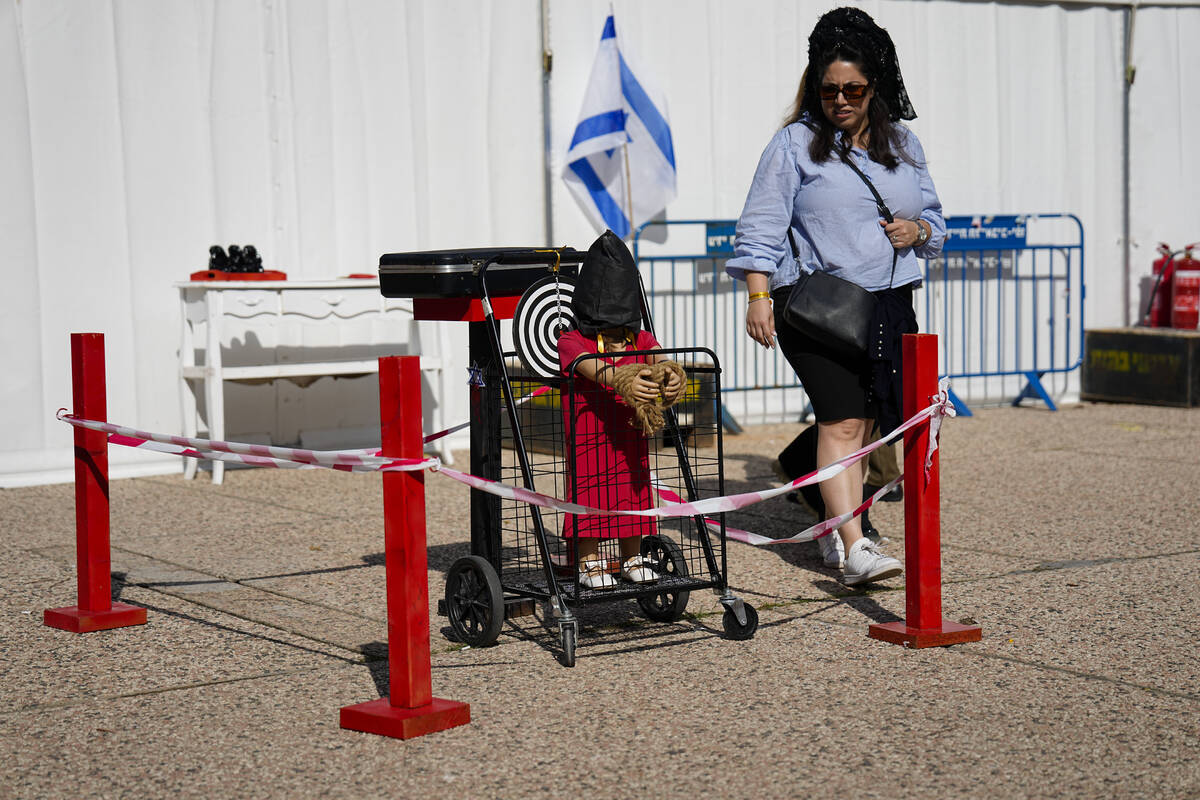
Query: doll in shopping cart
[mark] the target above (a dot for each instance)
(618, 401)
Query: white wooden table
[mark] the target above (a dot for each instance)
(283, 319)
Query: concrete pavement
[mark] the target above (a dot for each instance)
(1069, 536)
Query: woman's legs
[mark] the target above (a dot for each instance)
(843, 492)
(837, 390)
(864, 562)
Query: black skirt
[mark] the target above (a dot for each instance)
(839, 386)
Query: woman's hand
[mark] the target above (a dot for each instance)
(902, 233)
(760, 322)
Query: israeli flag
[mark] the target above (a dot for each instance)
(621, 162)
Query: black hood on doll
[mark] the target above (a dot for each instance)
(607, 292)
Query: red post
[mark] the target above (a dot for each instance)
(96, 611)
(923, 626)
(410, 710)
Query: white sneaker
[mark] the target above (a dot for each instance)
(866, 563)
(833, 552)
(594, 575)
(637, 569)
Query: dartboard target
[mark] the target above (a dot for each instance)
(543, 314)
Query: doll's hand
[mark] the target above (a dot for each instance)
(644, 388)
(673, 389)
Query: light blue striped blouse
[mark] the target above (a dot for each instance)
(833, 215)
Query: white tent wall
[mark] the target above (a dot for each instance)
(1020, 111)
(324, 132)
(1164, 135)
(327, 132)
(1017, 104)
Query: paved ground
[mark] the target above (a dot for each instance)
(1069, 536)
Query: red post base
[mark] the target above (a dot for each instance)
(78, 620)
(384, 719)
(416, 711)
(948, 633)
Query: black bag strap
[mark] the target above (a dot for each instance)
(883, 211)
(882, 206)
(844, 155)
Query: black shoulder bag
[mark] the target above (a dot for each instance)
(835, 311)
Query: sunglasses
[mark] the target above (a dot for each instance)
(852, 91)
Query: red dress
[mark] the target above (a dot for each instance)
(612, 455)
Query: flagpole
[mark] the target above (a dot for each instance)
(547, 66)
(628, 189)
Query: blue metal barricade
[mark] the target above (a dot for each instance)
(692, 300)
(1005, 297)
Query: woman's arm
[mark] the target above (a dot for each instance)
(931, 214)
(760, 243)
(926, 233)
(760, 317)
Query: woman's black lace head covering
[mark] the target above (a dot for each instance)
(847, 31)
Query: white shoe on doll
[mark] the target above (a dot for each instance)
(595, 575)
(637, 569)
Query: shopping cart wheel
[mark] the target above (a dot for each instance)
(474, 601)
(736, 630)
(568, 631)
(666, 558)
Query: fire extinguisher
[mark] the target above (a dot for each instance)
(1158, 312)
(1185, 293)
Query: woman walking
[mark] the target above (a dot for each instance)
(842, 189)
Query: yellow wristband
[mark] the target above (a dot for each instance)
(759, 296)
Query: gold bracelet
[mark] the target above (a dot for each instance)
(758, 296)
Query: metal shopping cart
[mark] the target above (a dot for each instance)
(524, 433)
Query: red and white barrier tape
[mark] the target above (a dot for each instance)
(711, 505)
(823, 528)
(433, 437)
(257, 454)
(359, 461)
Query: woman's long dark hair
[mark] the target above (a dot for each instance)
(886, 140)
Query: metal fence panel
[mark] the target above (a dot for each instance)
(1005, 298)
